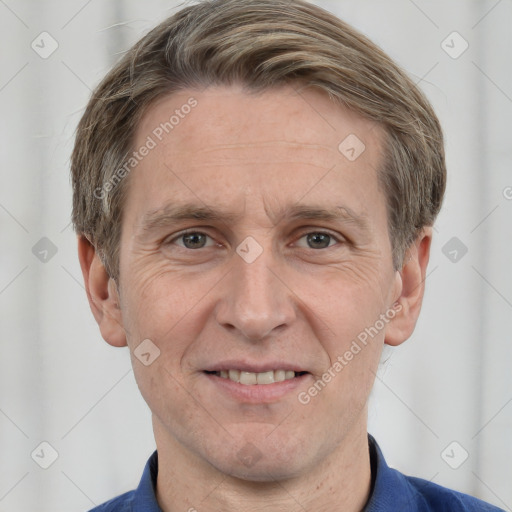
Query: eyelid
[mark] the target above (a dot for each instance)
(312, 230)
(177, 236)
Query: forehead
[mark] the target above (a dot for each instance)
(306, 117)
(215, 142)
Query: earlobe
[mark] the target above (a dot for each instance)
(412, 286)
(102, 294)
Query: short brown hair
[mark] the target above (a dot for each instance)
(261, 44)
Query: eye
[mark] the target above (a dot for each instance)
(193, 240)
(317, 240)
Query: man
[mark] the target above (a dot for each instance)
(255, 185)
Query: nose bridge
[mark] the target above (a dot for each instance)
(255, 301)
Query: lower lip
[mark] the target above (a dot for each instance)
(257, 393)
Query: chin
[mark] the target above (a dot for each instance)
(268, 471)
(265, 461)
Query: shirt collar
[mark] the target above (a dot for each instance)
(389, 487)
(145, 495)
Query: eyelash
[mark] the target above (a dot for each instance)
(336, 238)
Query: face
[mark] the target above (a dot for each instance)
(253, 242)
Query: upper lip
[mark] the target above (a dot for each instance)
(254, 367)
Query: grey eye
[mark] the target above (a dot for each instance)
(318, 240)
(194, 240)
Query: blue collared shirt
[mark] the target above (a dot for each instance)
(391, 492)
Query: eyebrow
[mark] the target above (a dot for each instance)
(337, 214)
(172, 213)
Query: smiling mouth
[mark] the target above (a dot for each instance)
(251, 379)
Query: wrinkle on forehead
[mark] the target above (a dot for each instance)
(269, 143)
(261, 153)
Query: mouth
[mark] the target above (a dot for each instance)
(254, 378)
(265, 386)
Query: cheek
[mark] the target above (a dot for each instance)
(345, 299)
(171, 310)
(347, 311)
(162, 389)
(161, 302)
(341, 392)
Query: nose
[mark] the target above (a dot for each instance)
(255, 300)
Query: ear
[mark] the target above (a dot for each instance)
(102, 294)
(411, 287)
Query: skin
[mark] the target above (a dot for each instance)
(256, 156)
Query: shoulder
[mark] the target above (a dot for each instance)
(430, 496)
(122, 503)
(142, 498)
(394, 491)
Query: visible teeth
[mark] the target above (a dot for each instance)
(251, 378)
(234, 375)
(248, 378)
(280, 375)
(265, 377)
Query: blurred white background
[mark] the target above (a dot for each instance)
(60, 383)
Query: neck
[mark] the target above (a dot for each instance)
(341, 481)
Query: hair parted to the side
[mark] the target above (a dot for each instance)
(260, 44)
